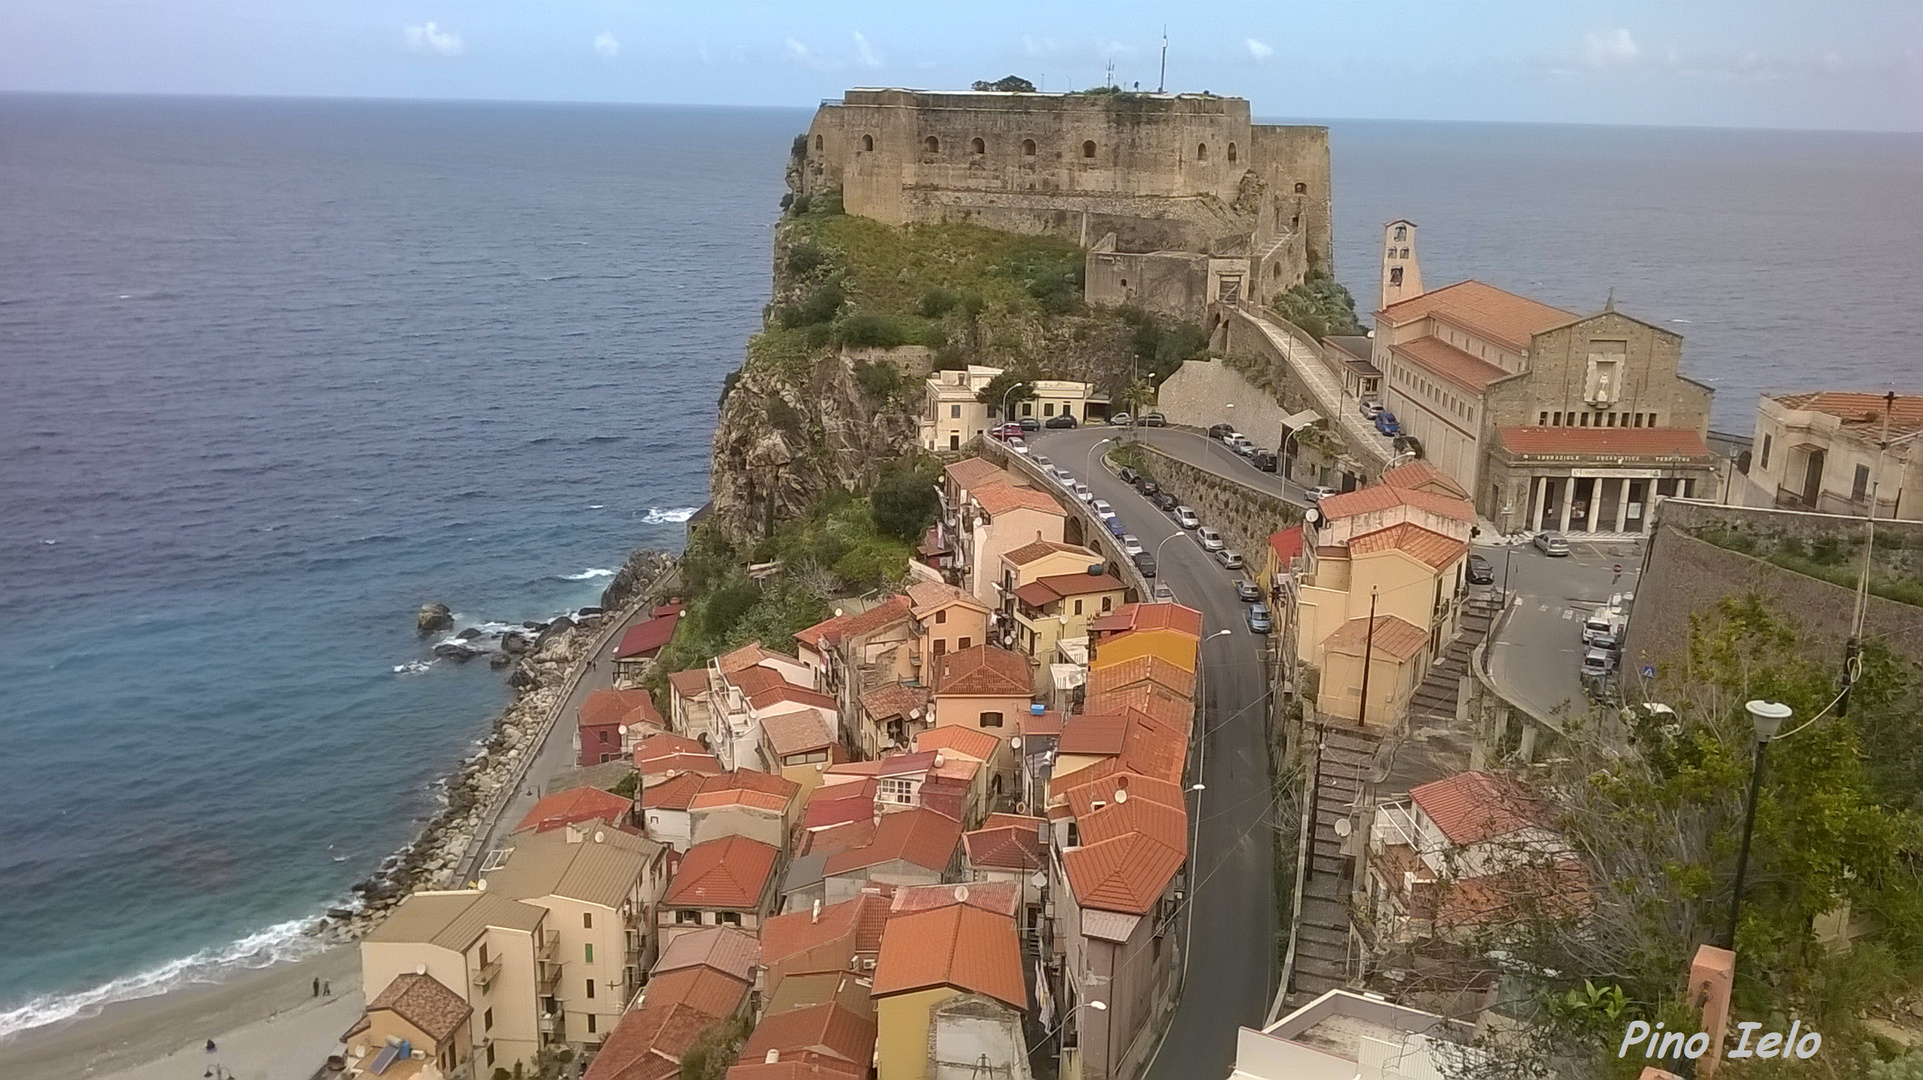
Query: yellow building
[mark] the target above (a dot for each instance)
(929, 957)
(1133, 631)
(983, 687)
(1053, 591)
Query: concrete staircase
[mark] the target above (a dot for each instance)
(1343, 761)
(1436, 698)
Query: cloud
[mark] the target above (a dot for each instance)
(1611, 50)
(605, 46)
(430, 40)
(1035, 46)
(864, 55)
(1261, 51)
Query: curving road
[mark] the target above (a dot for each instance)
(1231, 955)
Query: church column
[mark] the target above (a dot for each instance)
(1535, 504)
(1622, 504)
(1568, 485)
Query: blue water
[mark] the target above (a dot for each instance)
(274, 373)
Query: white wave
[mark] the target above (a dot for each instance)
(588, 575)
(412, 667)
(673, 516)
(280, 943)
(595, 506)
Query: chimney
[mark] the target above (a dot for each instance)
(1711, 974)
(816, 917)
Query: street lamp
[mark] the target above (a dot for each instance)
(1012, 387)
(1164, 543)
(1088, 464)
(1767, 717)
(1098, 1006)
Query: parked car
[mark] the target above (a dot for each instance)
(1018, 444)
(1082, 492)
(1122, 419)
(1128, 475)
(1164, 501)
(1318, 493)
(1385, 423)
(1162, 593)
(1406, 444)
(1061, 476)
(1245, 448)
(1246, 591)
(1148, 488)
(1131, 546)
(1230, 560)
(1154, 419)
(1029, 423)
(1258, 616)
(1003, 431)
(1115, 526)
(1059, 422)
(1480, 572)
(1370, 407)
(1041, 462)
(1102, 509)
(1186, 518)
(1264, 460)
(1211, 540)
(1145, 562)
(1551, 543)
(1597, 663)
(1221, 431)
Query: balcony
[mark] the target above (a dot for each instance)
(484, 977)
(554, 1026)
(545, 945)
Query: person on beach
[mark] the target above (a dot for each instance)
(210, 1046)
(317, 988)
(327, 989)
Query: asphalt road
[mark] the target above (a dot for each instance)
(1536, 655)
(1191, 447)
(1231, 958)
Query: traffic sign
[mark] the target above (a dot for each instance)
(1649, 671)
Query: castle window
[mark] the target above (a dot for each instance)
(1201, 151)
(817, 142)
(931, 144)
(1231, 153)
(1028, 147)
(1088, 149)
(867, 142)
(979, 147)
(1395, 275)
(1301, 188)
(1402, 232)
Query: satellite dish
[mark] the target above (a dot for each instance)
(624, 729)
(1343, 828)
(1312, 515)
(600, 837)
(420, 969)
(1121, 795)
(481, 885)
(961, 894)
(1040, 880)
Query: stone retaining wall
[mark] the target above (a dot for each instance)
(1243, 515)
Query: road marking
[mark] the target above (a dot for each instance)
(1542, 607)
(1568, 613)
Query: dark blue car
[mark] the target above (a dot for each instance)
(1385, 423)
(1115, 527)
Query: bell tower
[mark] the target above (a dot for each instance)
(1401, 274)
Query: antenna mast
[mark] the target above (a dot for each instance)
(1161, 83)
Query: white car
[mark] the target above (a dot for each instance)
(1082, 492)
(1017, 444)
(1042, 463)
(1186, 518)
(1163, 594)
(1230, 560)
(1317, 494)
(1131, 547)
(1211, 540)
(1061, 476)
(1102, 509)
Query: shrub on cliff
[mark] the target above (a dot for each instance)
(880, 380)
(1007, 84)
(903, 504)
(1161, 344)
(1320, 306)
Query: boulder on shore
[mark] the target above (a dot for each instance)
(457, 650)
(434, 618)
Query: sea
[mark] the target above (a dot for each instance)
(274, 373)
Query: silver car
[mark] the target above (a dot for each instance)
(1230, 560)
(1211, 540)
(1551, 543)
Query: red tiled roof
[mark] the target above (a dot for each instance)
(996, 499)
(982, 671)
(1005, 846)
(966, 741)
(747, 787)
(1146, 747)
(925, 596)
(1604, 442)
(755, 679)
(646, 638)
(797, 732)
(970, 472)
(605, 707)
(1431, 548)
(748, 656)
(840, 628)
(1423, 476)
(1525, 892)
(1092, 734)
(1002, 897)
(837, 804)
(1484, 310)
(1142, 669)
(799, 942)
(692, 683)
(960, 946)
(1471, 807)
(676, 793)
(706, 989)
(1080, 584)
(1160, 703)
(731, 872)
(1858, 411)
(574, 806)
(1286, 544)
(1036, 549)
(421, 1000)
(893, 699)
(1445, 361)
(824, 1033)
(917, 835)
(788, 692)
(1150, 617)
(648, 1043)
(665, 751)
(790, 1070)
(730, 950)
(1378, 497)
(1395, 638)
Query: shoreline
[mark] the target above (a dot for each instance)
(252, 1013)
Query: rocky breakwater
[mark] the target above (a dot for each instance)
(542, 672)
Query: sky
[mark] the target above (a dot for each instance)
(1834, 64)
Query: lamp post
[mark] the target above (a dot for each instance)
(1098, 1006)
(1012, 387)
(1767, 717)
(1158, 548)
(1088, 465)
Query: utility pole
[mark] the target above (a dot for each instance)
(1161, 83)
(1855, 643)
(1368, 647)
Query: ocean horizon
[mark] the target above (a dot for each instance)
(275, 372)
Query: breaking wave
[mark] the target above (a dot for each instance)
(673, 516)
(588, 575)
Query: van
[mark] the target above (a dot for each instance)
(1145, 562)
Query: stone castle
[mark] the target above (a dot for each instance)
(1180, 200)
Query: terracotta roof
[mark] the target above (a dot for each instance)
(799, 941)
(1002, 498)
(916, 835)
(789, 1070)
(797, 732)
(619, 707)
(1423, 476)
(902, 764)
(665, 752)
(598, 866)
(1146, 746)
(576, 805)
(1142, 669)
(894, 699)
(707, 989)
(1037, 549)
(647, 1043)
(731, 872)
(1047, 723)
(727, 949)
(1861, 413)
(422, 1001)
(1379, 497)
(1471, 807)
(675, 793)
(755, 679)
(1525, 892)
(838, 804)
(1047, 590)
(971, 472)
(746, 787)
(840, 628)
(959, 946)
(1431, 548)
(1395, 638)
(1604, 442)
(789, 693)
(1445, 361)
(1092, 734)
(925, 596)
(967, 741)
(931, 542)
(835, 837)
(1502, 317)
(646, 638)
(1286, 544)
(1005, 846)
(826, 1034)
(1160, 703)
(1150, 617)
(692, 683)
(982, 671)
(1001, 897)
(748, 656)
(1127, 873)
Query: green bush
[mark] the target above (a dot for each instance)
(1161, 346)
(799, 148)
(885, 332)
(625, 787)
(880, 380)
(1053, 278)
(1320, 306)
(903, 504)
(805, 258)
(937, 302)
(821, 306)
(1007, 84)
(786, 418)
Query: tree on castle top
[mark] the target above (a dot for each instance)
(1007, 84)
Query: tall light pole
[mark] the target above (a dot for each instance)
(1098, 1006)
(1088, 465)
(1767, 718)
(1012, 387)
(1179, 532)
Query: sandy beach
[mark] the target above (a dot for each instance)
(267, 1025)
